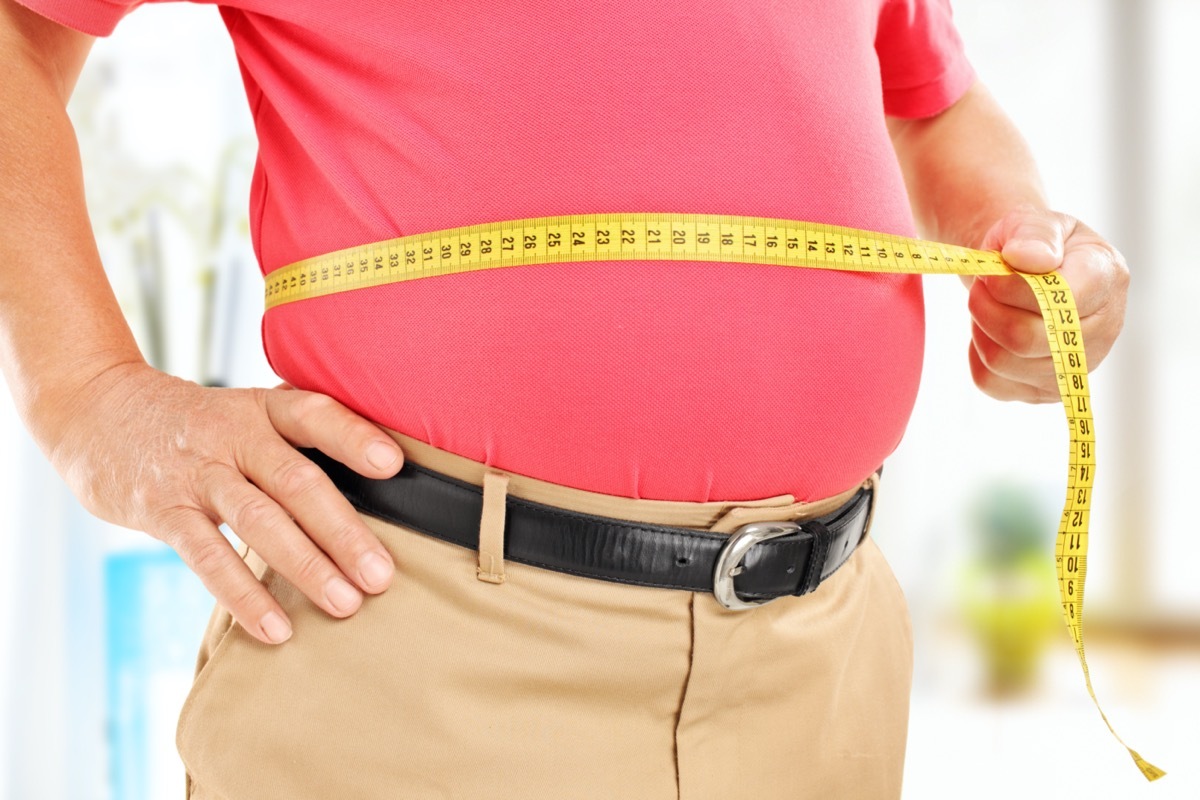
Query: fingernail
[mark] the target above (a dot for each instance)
(341, 595)
(381, 456)
(275, 627)
(374, 569)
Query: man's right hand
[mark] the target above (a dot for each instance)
(138, 447)
(157, 453)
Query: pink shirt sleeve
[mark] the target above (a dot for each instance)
(921, 58)
(94, 17)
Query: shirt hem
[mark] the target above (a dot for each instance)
(932, 97)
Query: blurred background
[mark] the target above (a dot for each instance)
(99, 625)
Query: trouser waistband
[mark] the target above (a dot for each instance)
(667, 544)
(720, 516)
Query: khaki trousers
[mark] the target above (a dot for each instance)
(476, 678)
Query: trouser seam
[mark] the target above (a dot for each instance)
(687, 679)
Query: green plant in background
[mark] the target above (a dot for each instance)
(1008, 585)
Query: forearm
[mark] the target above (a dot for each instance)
(60, 325)
(965, 168)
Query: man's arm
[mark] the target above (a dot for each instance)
(972, 181)
(138, 447)
(49, 252)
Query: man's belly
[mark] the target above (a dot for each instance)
(666, 380)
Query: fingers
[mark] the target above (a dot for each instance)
(261, 522)
(1031, 239)
(223, 572)
(1009, 348)
(1020, 332)
(309, 419)
(222, 455)
(327, 519)
(1037, 372)
(1023, 332)
(1096, 273)
(1092, 269)
(1002, 388)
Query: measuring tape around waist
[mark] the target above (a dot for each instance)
(755, 240)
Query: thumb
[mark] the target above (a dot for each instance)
(1030, 239)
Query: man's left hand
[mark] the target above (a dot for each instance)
(1009, 355)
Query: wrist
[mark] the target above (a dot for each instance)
(54, 406)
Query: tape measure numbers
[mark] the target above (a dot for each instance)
(754, 240)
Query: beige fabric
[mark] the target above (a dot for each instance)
(491, 528)
(550, 685)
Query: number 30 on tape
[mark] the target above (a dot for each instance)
(755, 240)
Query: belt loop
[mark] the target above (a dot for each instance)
(491, 528)
(872, 483)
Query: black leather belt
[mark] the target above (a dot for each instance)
(768, 559)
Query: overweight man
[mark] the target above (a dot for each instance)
(482, 518)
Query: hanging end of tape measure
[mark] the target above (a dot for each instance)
(1151, 772)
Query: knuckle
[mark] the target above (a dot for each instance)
(208, 474)
(260, 398)
(207, 556)
(989, 382)
(992, 356)
(250, 600)
(1064, 222)
(1119, 260)
(1121, 267)
(255, 513)
(346, 536)
(976, 302)
(169, 525)
(297, 476)
(1108, 260)
(267, 407)
(979, 372)
(1019, 337)
(986, 384)
(142, 498)
(309, 568)
(1033, 342)
(313, 407)
(258, 394)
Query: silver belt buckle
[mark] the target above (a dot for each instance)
(732, 552)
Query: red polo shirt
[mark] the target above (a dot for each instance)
(655, 379)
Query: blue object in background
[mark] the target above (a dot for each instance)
(155, 613)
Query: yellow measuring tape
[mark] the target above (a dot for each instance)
(755, 240)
